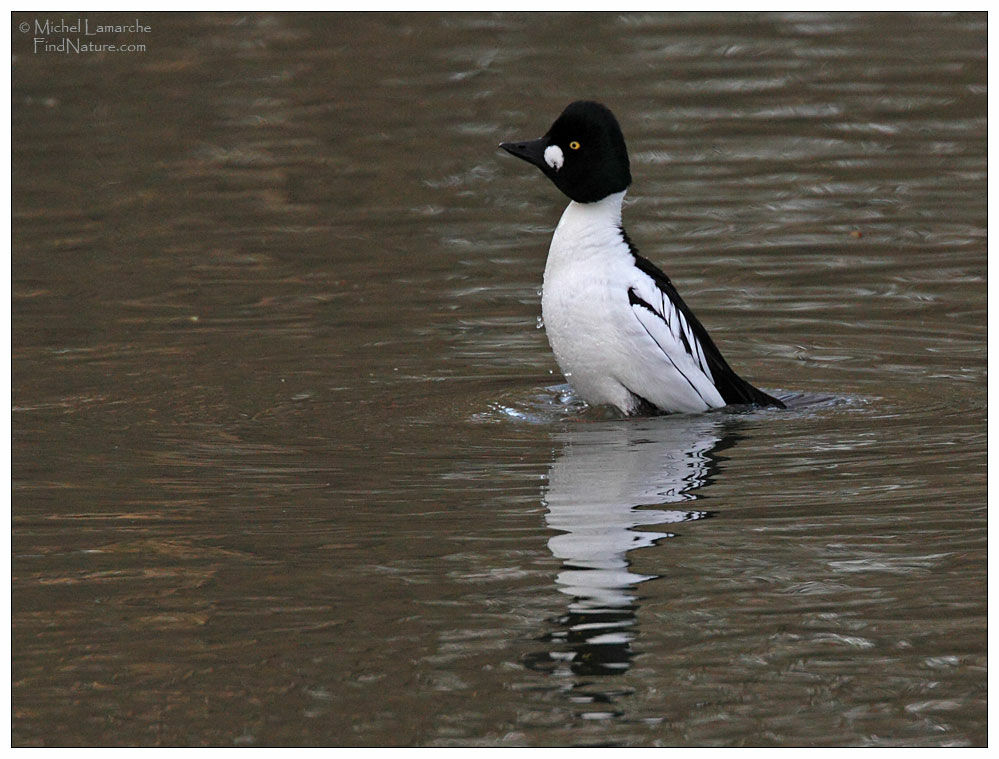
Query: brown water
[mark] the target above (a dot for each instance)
(293, 464)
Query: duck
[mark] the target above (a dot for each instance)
(620, 332)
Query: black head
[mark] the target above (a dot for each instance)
(583, 153)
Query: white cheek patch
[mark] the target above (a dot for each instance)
(554, 157)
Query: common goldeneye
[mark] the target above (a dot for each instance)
(620, 331)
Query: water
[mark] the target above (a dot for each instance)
(293, 464)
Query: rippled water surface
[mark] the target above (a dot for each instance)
(293, 463)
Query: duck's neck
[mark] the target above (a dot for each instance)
(588, 229)
(606, 212)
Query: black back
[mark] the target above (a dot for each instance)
(731, 387)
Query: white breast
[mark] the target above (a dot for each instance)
(605, 352)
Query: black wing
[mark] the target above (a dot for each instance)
(731, 387)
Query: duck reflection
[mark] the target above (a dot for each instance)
(608, 484)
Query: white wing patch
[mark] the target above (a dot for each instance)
(668, 327)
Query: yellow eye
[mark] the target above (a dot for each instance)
(573, 145)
